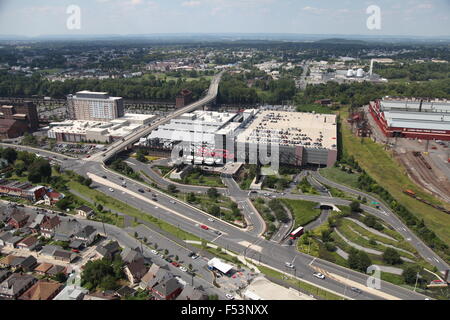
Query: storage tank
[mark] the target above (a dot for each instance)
(350, 73)
(360, 73)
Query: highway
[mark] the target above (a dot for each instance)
(248, 243)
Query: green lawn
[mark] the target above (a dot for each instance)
(388, 173)
(205, 179)
(303, 211)
(339, 176)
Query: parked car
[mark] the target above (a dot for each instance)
(111, 189)
(175, 264)
(183, 269)
(141, 190)
(229, 296)
(204, 227)
(154, 252)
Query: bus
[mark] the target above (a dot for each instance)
(297, 233)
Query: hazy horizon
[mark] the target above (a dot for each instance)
(404, 18)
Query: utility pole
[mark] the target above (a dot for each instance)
(309, 247)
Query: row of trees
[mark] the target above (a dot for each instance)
(148, 88)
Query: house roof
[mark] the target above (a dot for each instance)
(8, 260)
(129, 255)
(54, 195)
(43, 267)
(54, 270)
(137, 269)
(191, 293)
(51, 223)
(19, 216)
(108, 249)
(15, 283)
(167, 287)
(86, 232)
(85, 209)
(41, 290)
(27, 262)
(125, 291)
(29, 241)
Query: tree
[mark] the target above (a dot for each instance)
(166, 252)
(355, 206)
(100, 207)
(9, 154)
(410, 274)
(191, 198)
(39, 171)
(87, 182)
(172, 188)
(212, 193)
(391, 256)
(102, 274)
(358, 260)
(215, 210)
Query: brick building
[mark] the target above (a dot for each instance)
(184, 98)
(24, 112)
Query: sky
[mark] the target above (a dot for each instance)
(398, 17)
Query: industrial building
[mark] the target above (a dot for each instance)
(98, 131)
(412, 118)
(212, 137)
(22, 190)
(94, 106)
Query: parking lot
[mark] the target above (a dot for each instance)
(77, 149)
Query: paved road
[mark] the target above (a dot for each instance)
(180, 214)
(392, 219)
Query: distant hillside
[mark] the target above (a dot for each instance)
(341, 41)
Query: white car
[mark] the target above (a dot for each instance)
(319, 275)
(229, 296)
(154, 252)
(211, 220)
(289, 265)
(173, 202)
(111, 189)
(183, 269)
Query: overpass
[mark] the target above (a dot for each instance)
(128, 141)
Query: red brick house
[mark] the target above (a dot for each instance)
(167, 290)
(18, 220)
(49, 226)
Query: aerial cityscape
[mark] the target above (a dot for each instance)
(154, 160)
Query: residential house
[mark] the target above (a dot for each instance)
(43, 268)
(29, 243)
(55, 269)
(48, 227)
(42, 290)
(126, 291)
(130, 255)
(167, 290)
(135, 271)
(67, 229)
(58, 253)
(86, 235)
(191, 293)
(108, 250)
(15, 285)
(25, 264)
(4, 274)
(9, 240)
(85, 211)
(71, 292)
(155, 275)
(35, 225)
(52, 197)
(7, 261)
(18, 219)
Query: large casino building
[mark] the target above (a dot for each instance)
(412, 118)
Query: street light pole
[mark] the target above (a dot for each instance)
(417, 280)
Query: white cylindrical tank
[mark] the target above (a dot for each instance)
(350, 73)
(360, 73)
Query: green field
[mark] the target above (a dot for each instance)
(339, 176)
(303, 211)
(381, 166)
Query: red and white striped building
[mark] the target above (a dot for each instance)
(412, 118)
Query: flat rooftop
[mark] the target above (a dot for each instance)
(413, 105)
(292, 129)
